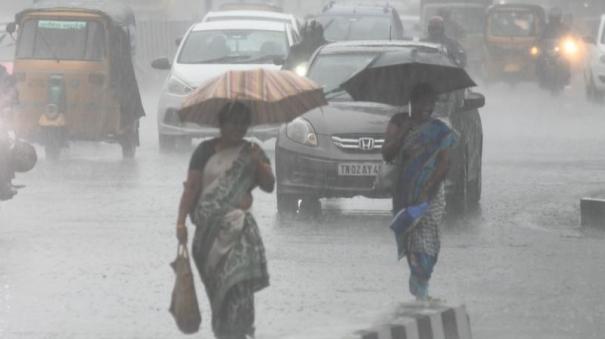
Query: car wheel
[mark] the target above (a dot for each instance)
(287, 204)
(310, 207)
(458, 201)
(474, 192)
(593, 93)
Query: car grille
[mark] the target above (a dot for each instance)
(359, 143)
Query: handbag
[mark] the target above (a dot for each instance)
(386, 179)
(184, 305)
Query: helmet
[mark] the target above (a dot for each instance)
(312, 29)
(436, 26)
(555, 14)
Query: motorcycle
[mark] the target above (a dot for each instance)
(16, 156)
(554, 63)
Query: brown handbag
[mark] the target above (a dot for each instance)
(184, 306)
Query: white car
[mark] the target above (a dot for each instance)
(594, 75)
(254, 15)
(208, 50)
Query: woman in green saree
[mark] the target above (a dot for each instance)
(227, 247)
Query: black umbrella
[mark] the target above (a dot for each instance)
(391, 76)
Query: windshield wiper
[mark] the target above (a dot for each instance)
(223, 59)
(267, 57)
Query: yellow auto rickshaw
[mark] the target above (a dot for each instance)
(75, 75)
(511, 35)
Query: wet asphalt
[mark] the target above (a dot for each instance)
(85, 247)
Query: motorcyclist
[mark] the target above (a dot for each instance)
(452, 27)
(312, 37)
(437, 34)
(555, 29)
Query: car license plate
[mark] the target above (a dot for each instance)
(359, 169)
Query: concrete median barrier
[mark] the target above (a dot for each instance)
(592, 212)
(415, 321)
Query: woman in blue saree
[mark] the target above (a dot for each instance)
(419, 146)
(227, 247)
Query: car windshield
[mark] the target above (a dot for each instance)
(340, 28)
(512, 24)
(234, 46)
(331, 70)
(62, 40)
(471, 19)
(7, 47)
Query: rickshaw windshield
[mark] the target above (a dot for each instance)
(62, 40)
(513, 23)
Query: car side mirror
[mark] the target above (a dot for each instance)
(11, 28)
(178, 41)
(473, 101)
(161, 64)
(589, 40)
(279, 61)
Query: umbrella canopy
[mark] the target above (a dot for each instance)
(274, 97)
(391, 76)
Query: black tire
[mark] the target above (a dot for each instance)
(287, 204)
(310, 207)
(592, 93)
(458, 201)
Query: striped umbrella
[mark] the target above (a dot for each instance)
(274, 97)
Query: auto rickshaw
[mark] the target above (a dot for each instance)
(512, 32)
(75, 74)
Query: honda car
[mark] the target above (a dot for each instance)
(335, 151)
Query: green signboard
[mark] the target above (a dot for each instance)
(61, 24)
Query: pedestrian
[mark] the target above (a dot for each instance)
(227, 247)
(422, 162)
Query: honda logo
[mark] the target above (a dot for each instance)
(366, 144)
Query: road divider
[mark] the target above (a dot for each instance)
(592, 212)
(418, 321)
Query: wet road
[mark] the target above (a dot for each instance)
(84, 249)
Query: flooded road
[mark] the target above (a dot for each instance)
(85, 248)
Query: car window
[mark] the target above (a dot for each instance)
(233, 46)
(331, 70)
(340, 28)
(62, 39)
(512, 24)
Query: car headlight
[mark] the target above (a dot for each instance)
(178, 87)
(301, 131)
(570, 47)
(534, 51)
(301, 70)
